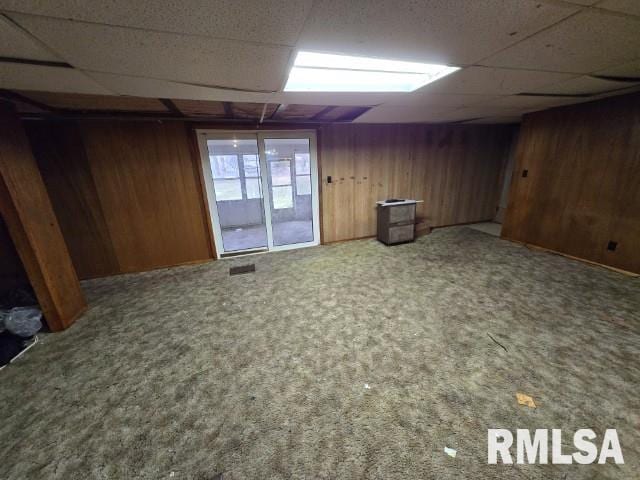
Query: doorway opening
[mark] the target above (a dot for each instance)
(262, 189)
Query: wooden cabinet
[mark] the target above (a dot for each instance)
(396, 221)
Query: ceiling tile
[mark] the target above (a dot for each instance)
(406, 114)
(270, 21)
(629, 69)
(631, 7)
(494, 81)
(149, 87)
(51, 79)
(487, 111)
(439, 99)
(333, 98)
(528, 103)
(168, 56)
(16, 43)
(76, 101)
(442, 31)
(583, 85)
(495, 120)
(630, 89)
(589, 41)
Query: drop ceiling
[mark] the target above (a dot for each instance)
(516, 56)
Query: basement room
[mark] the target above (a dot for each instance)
(320, 239)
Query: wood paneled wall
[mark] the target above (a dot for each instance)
(582, 187)
(127, 194)
(455, 169)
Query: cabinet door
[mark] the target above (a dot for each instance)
(402, 233)
(402, 214)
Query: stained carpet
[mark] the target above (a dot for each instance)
(348, 361)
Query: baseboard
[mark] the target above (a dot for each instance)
(532, 246)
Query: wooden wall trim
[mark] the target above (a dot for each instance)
(195, 155)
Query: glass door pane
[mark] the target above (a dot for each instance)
(289, 181)
(235, 168)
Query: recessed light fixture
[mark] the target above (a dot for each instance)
(325, 72)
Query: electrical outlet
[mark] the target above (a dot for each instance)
(611, 246)
(329, 179)
(525, 173)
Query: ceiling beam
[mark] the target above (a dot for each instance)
(228, 109)
(322, 112)
(16, 97)
(171, 106)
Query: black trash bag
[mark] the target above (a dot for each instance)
(3, 315)
(18, 297)
(10, 346)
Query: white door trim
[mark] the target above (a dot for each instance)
(260, 135)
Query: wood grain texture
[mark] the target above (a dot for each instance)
(32, 224)
(200, 108)
(80, 101)
(454, 169)
(128, 194)
(581, 190)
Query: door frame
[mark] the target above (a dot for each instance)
(260, 135)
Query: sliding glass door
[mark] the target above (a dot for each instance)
(262, 189)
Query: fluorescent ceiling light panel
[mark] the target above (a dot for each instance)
(324, 72)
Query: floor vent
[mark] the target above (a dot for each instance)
(242, 269)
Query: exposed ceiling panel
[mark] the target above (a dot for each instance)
(149, 87)
(583, 85)
(168, 56)
(631, 7)
(51, 79)
(494, 81)
(439, 99)
(200, 108)
(297, 112)
(269, 21)
(440, 31)
(76, 101)
(16, 43)
(344, 113)
(589, 41)
(253, 110)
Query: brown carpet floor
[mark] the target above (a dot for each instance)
(190, 373)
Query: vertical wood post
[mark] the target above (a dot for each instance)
(33, 226)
